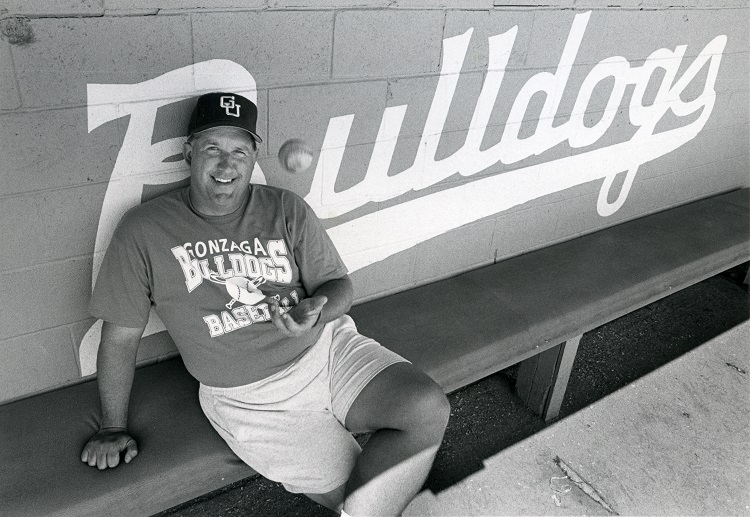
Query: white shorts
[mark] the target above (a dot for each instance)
(289, 427)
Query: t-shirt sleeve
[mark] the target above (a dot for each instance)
(122, 293)
(316, 255)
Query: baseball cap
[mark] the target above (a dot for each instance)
(221, 109)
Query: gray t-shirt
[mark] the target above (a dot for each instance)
(209, 279)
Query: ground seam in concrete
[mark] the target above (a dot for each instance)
(581, 483)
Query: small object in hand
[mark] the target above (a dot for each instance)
(295, 155)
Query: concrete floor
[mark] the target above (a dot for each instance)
(674, 442)
(471, 475)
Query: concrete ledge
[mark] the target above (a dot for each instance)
(61, 8)
(88, 8)
(183, 4)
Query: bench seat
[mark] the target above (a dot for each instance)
(464, 328)
(180, 455)
(458, 330)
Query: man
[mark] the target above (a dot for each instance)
(254, 294)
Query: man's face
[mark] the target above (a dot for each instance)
(221, 162)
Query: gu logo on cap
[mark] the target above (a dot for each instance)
(227, 102)
(223, 109)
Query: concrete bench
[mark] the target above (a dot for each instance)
(530, 309)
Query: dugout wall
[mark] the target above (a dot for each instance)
(448, 135)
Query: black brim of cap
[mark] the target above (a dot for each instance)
(225, 124)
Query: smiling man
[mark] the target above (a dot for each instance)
(255, 295)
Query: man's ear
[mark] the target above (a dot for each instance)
(187, 152)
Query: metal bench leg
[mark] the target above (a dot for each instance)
(543, 378)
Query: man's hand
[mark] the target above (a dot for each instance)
(104, 448)
(301, 318)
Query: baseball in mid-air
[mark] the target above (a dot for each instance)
(295, 155)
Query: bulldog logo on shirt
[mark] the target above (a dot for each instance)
(243, 290)
(242, 268)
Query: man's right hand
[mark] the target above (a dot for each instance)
(104, 448)
(301, 318)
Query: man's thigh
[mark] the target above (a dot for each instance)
(356, 361)
(400, 397)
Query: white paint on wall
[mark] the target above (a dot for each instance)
(378, 235)
(405, 225)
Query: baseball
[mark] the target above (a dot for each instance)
(295, 155)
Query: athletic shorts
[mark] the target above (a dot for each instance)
(289, 427)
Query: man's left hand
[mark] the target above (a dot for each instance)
(301, 318)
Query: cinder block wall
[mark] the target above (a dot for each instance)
(447, 134)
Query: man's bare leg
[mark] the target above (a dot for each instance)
(333, 499)
(407, 413)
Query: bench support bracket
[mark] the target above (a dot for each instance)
(543, 378)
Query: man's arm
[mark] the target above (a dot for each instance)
(330, 300)
(115, 364)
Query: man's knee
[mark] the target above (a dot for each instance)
(430, 408)
(402, 398)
